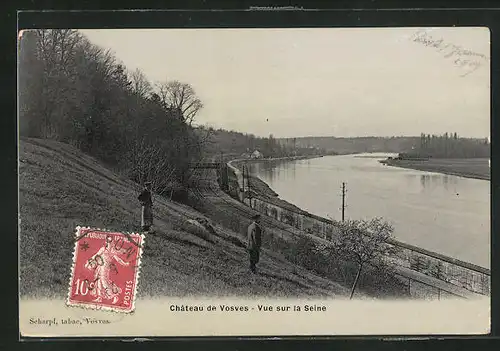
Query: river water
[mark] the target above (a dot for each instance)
(441, 213)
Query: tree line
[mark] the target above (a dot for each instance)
(73, 91)
(452, 146)
(350, 145)
(232, 143)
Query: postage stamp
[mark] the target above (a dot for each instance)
(105, 269)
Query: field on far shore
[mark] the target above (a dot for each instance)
(477, 168)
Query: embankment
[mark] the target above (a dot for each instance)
(283, 237)
(61, 188)
(424, 273)
(283, 241)
(468, 168)
(261, 189)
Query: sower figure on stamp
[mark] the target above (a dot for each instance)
(103, 265)
(146, 201)
(254, 233)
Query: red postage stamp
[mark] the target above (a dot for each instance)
(105, 269)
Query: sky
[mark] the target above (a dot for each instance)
(341, 82)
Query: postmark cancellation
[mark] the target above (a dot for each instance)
(105, 270)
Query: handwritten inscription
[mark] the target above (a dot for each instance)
(469, 61)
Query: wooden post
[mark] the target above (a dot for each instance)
(248, 181)
(356, 281)
(244, 178)
(343, 200)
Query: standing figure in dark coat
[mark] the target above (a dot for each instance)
(254, 233)
(146, 201)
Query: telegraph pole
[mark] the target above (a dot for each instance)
(343, 201)
(246, 177)
(243, 184)
(245, 180)
(221, 169)
(248, 180)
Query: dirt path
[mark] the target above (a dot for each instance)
(60, 188)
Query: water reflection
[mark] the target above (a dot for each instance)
(273, 169)
(430, 181)
(434, 211)
(423, 180)
(446, 182)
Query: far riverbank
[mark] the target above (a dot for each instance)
(433, 211)
(467, 168)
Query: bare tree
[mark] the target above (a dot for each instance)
(56, 47)
(52, 88)
(365, 242)
(76, 92)
(204, 135)
(140, 84)
(147, 163)
(180, 97)
(30, 84)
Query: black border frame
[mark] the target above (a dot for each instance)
(207, 18)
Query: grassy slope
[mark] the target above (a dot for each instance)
(61, 188)
(287, 243)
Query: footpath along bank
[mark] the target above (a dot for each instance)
(425, 273)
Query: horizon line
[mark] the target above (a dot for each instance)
(339, 137)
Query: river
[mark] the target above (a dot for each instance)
(438, 212)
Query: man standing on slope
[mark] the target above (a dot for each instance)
(254, 233)
(146, 201)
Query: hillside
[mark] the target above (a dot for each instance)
(233, 144)
(356, 145)
(60, 188)
(444, 146)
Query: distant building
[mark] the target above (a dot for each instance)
(256, 154)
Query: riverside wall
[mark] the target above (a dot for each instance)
(458, 273)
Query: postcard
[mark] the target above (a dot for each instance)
(254, 182)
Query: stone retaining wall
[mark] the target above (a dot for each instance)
(459, 273)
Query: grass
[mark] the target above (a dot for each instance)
(61, 188)
(469, 168)
(287, 244)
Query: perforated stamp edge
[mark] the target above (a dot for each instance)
(97, 307)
